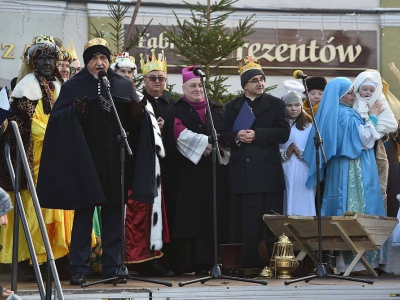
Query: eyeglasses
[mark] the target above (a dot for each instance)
(154, 78)
(257, 80)
(73, 70)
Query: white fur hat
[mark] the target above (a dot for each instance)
(124, 60)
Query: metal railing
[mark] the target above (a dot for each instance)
(20, 211)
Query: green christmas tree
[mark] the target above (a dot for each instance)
(117, 12)
(205, 39)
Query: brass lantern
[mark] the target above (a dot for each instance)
(283, 261)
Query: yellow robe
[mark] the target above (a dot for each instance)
(58, 222)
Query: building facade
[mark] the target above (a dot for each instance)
(340, 40)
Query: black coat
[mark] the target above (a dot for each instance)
(80, 164)
(161, 105)
(256, 167)
(188, 186)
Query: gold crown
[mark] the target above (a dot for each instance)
(96, 41)
(248, 64)
(43, 43)
(153, 64)
(123, 57)
(43, 39)
(71, 50)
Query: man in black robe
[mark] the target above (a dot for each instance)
(256, 181)
(146, 228)
(81, 158)
(154, 81)
(189, 180)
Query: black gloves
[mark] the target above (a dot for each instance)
(80, 106)
(138, 109)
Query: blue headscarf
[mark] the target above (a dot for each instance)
(327, 122)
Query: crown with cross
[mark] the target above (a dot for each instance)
(248, 64)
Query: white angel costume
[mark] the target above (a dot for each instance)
(386, 121)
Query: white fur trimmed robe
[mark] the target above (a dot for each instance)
(156, 221)
(144, 222)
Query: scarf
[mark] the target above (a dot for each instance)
(200, 107)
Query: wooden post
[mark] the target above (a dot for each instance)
(130, 31)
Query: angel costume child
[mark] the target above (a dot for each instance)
(368, 89)
(298, 199)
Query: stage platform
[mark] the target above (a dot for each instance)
(386, 286)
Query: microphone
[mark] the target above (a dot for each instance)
(103, 76)
(198, 72)
(298, 74)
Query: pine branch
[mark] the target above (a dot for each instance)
(97, 34)
(203, 39)
(134, 41)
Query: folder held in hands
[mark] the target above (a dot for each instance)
(244, 119)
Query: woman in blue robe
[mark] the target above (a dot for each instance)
(351, 175)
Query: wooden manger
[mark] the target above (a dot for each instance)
(357, 233)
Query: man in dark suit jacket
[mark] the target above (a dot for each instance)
(256, 181)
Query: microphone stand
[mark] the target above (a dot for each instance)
(216, 272)
(122, 273)
(321, 271)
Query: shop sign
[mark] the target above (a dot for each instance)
(321, 52)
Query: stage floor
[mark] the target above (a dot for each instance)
(385, 286)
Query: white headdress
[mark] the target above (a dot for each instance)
(124, 60)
